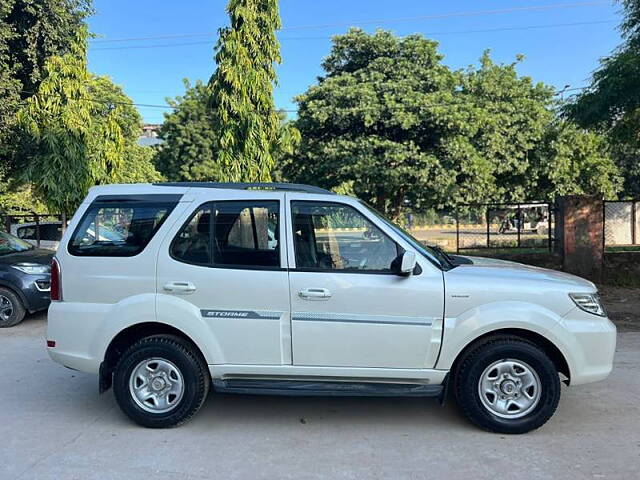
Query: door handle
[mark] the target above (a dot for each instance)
(179, 287)
(315, 294)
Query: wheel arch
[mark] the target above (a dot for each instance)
(17, 292)
(127, 337)
(550, 348)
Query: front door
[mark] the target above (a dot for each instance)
(348, 307)
(227, 260)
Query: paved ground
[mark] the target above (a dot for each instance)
(54, 425)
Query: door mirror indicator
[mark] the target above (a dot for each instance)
(405, 263)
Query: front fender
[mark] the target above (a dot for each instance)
(472, 324)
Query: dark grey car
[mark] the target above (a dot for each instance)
(24, 279)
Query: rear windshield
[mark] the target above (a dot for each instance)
(113, 227)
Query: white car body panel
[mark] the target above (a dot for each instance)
(377, 327)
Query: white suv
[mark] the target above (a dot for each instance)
(169, 290)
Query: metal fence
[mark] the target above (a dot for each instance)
(527, 225)
(621, 223)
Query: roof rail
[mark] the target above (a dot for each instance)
(291, 187)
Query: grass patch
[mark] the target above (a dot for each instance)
(622, 248)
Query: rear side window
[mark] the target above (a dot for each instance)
(231, 234)
(120, 227)
(49, 232)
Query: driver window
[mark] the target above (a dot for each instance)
(331, 236)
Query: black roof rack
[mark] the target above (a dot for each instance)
(290, 187)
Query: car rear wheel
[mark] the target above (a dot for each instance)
(161, 381)
(12, 310)
(507, 385)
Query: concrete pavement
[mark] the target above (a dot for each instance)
(54, 425)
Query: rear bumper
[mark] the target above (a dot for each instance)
(591, 341)
(76, 332)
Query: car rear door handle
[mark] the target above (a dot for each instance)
(180, 287)
(315, 294)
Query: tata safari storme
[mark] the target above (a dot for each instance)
(290, 289)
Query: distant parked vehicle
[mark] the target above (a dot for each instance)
(50, 233)
(530, 218)
(25, 279)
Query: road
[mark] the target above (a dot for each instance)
(54, 425)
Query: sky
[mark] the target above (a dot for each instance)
(149, 47)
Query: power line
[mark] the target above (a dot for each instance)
(471, 13)
(488, 30)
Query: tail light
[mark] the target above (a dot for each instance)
(56, 284)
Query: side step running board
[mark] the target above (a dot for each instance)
(321, 388)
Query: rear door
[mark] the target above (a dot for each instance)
(227, 259)
(348, 307)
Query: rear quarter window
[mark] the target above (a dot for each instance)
(120, 226)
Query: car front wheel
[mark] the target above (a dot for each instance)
(507, 385)
(12, 311)
(161, 381)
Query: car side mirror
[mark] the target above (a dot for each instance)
(405, 264)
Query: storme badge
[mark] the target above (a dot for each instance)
(228, 313)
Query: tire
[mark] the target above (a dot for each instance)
(12, 310)
(170, 372)
(497, 365)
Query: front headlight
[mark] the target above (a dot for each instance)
(589, 302)
(32, 268)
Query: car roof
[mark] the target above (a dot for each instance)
(184, 187)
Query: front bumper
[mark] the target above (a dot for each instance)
(591, 343)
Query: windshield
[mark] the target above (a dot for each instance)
(11, 244)
(430, 253)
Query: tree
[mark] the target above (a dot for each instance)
(368, 124)
(30, 32)
(17, 201)
(611, 104)
(9, 85)
(137, 164)
(571, 161)
(390, 122)
(188, 152)
(78, 131)
(247, 126)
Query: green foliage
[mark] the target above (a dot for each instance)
(572, 161)
(76, 132)
(9, 85)
(16, 200)
(248, 128)
(189, 152)
(30, 32)
(612, 103)
(137, 166)
(392, 123)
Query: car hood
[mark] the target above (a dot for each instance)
(468, 260)
(513, 273)
(36, 255)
